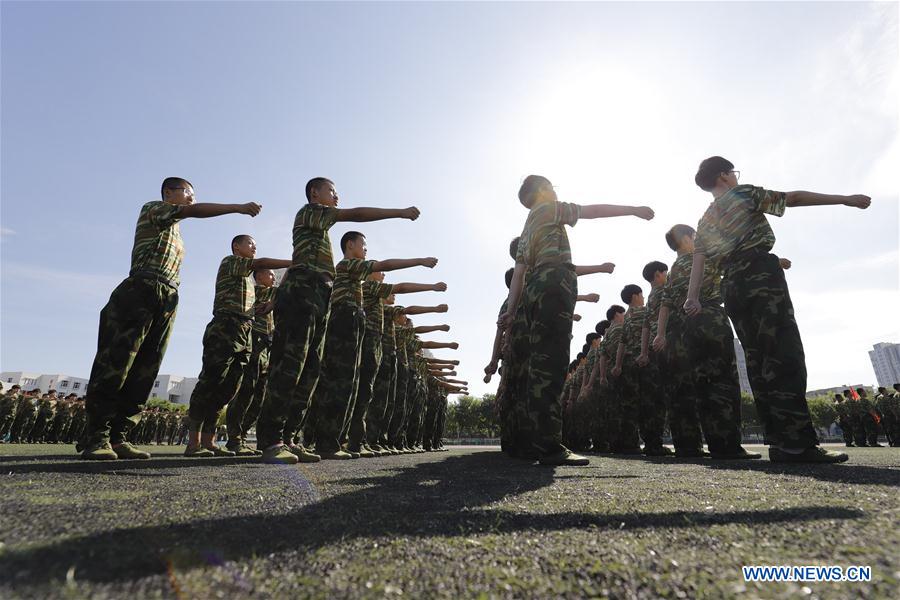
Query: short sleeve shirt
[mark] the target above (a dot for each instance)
(235, 290)
(654, 302)
(675, 292)
(158, 247)
(312, 246)
(631, 330)
(350, 273)
(611, 343)
(264, 323)
(736, 222)
(544, 240)
(374, 295)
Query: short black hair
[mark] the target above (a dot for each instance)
(897, 386)
(652, 268)
(239, 239)
(612, 311)
(847, 392)
(709, 172)
(314, 184)
(171, 183)
(585, 349)
(589, 338)
(860, 391)
(676, 233)
(838, 397)
(530, 187)
(882, 389)
(508, 275)
(629, 291)
(258, 271)
(601, 327)
(514, 248)
(350, 236)
(579, 357)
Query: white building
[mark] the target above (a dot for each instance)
(64, 384)
(742, 367)
(885, 359)
(173, 388)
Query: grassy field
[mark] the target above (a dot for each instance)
(465, 523)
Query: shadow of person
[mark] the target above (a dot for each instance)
(452, 497)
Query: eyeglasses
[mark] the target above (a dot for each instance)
(737, 174)
(187, 191)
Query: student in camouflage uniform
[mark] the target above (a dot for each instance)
(227, 344)
(595, 415)
(375, 292)
(549, 301)
(882, 407)
(870, 417)
(656, 377)
(26, 413)
(8, 404)
(301, 311)
(621, 424)
(239, 416)
(336, 394)
(735, 234)
(711, 391)
(636, 400)
(136, 322)
(845, 421)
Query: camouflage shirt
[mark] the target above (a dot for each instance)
(544, 240)
(312, 246)
(654, 303)
(675, 292)
(610, 344)
(388, 334)
(350, 273)
(736, 222)
(631, 330)
(374, 295)
(158, 247)
(400, 335)
(235, 292)
(264, 323)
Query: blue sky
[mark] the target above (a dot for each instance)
(446, 107)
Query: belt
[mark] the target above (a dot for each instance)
(151, 276)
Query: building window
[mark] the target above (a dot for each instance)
(156, 384)
(76, 385)
(9, 380)
(63, 384)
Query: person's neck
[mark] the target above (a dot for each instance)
(720, 190)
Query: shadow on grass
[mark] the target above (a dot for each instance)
(76, 465)
(432, 499)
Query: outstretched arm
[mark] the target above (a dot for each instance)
(435, 345)
(605, 211)
(801, 198)
(430, 328)
(421, 310)
(394, 264)
(591, 269)
(205, 210)
(364, 214)
(588, 298)
(440, 361)
(411, 288)
(270, 263)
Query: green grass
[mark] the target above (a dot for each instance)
(466, 523)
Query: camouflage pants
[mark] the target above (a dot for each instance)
(336, 394)
(382, 407)
(715, 378)
(417, 414)
(515, 366)
(846, 430)
(441, 423)
(301, 314)
(650, 406)
(398, 417)
(227, 346)
(7, 417)
(241, 412)
(600, 435)
(369, 365)
(622, 412)
(432, 405)
(759, 305)
(134, 330)
(675, 364)
(549, 300)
